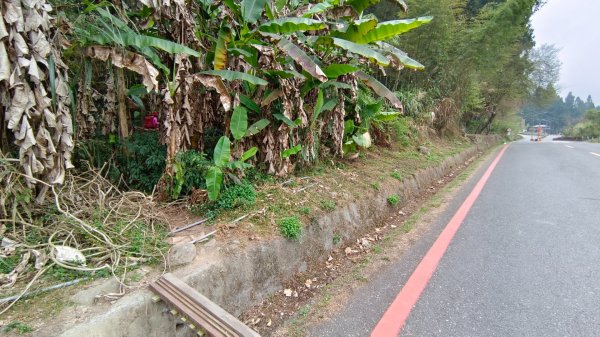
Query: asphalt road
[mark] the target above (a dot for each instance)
(525, 262)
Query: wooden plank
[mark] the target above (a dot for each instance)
(199, 309)
(188, 308)
(212, 307)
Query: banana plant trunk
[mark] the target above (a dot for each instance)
(122, 104)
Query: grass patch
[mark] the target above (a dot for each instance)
(396, 175)
(290, 227)
(18, 327)
(303, 312)
(375, 186)
(377, 249)
(328, 205)
(336, 239)
(393, 200)
(304, 210)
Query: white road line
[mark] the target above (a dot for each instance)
(570, 147)
(595, 154)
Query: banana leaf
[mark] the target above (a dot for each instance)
(362, 50)
(389, 29)
(380, 89)
(291, 25)
(230, 75)
(302, 59)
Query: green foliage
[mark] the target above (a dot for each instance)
(252, 10)
(328, 205)
(61, 274)
(336, 239)
(393, 200)
(140, 159)
(291, 151)
(239, 195)
(400, 131)
(290, 227)
(396, 175)
(304, 210)
(20, 328)
(230, 75)
(214, 180)
(291, 25)
(7, 264)
(239, 122)
(190, 167)
(588, 128)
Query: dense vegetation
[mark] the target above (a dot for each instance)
(252, 83)
(478, 60)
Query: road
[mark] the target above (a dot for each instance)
(525, 260)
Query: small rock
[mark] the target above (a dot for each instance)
(181, 254)
(288, 292)
(365, 243)
(424, 150)
(308, 283)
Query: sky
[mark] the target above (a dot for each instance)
(574, 27)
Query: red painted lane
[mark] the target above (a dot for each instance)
(394, 318)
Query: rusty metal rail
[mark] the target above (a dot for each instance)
(203, 314)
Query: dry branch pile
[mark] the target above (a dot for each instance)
(85, 225)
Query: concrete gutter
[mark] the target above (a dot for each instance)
(237, 277)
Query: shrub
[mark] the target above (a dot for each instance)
(190, 168)
(328, 205)
(237, 195)
(396, 175)
(393, 200)
(304, 210)
(140, 159)
(290, 227)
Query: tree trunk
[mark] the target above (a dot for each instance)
(122, 104)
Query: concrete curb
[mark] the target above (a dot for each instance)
(237, 278)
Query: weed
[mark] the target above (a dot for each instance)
(304, 210)
(303, 312)
(190, 168)
(19, 327)
(290, 227)
(396, 175)
(377, 249)
(375, 186)
(336, 239)
(393, 200)
(64, 275)
(328, 205)
(140, 159)
(9, 263)
(236, 196)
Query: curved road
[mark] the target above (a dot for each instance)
(524, 262)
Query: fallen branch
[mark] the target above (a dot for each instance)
(181, 229)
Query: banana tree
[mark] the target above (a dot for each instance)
(290, 70)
